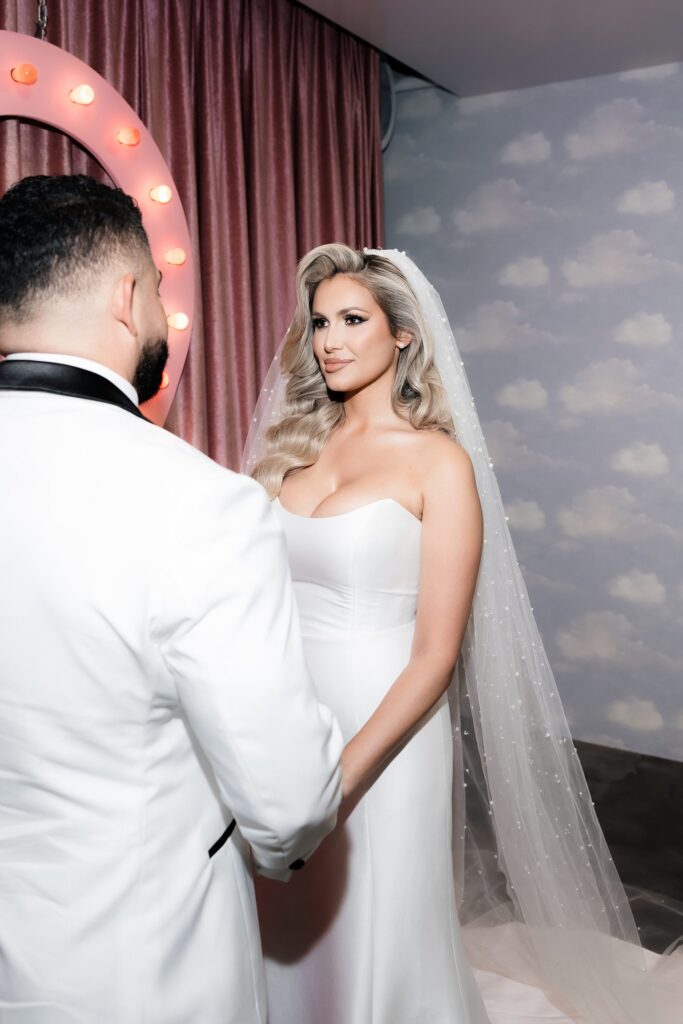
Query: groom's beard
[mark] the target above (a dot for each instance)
(150, 368)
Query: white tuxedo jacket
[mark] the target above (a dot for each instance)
(152, 686)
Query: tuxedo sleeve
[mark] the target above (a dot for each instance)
(228, 632)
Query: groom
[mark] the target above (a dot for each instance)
(157, 724)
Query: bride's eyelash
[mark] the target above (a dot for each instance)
(320, 321)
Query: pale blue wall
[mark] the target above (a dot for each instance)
(551, 221)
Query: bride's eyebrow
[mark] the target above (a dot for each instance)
(343, 312)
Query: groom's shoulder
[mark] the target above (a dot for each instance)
(176, 466)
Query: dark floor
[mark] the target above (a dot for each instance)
(639, 803)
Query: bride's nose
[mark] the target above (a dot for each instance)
(332, 340)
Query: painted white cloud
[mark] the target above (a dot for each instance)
(614, 258)
(506, 447)
(612, 385)
(489, 103)
(525, 515)
(523, 394)
(638, 588)
(644, 329)
(497, 325)
(419, 104)
(641, 459)
(527, 148)
(509, 451)
(421, 222)
(616, 127)
(526, 272)
(636, 713)
(498, 204)
(609, 637)
(604, 512)
(596, 636)
(556, 585)
(653, 74)
(570, 298)
(405, 161)
(647, 197)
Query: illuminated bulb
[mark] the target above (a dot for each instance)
(131, 137)
(180, 321)
(25, 74)
(83, 95)
(161, 194)
(176, 257)
(165, 381)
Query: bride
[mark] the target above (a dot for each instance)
(420, 637)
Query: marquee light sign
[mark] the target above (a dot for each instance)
(41, 82)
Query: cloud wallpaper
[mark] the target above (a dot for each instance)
(551, 222)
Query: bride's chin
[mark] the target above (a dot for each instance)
(334, 385)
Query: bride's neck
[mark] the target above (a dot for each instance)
(369, 406)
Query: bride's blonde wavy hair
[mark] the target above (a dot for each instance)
(311, 412)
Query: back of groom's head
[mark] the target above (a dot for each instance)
(77, 278)
(57, 233)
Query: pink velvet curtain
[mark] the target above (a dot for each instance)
(269, 118)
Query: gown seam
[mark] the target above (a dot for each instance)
(365, 801)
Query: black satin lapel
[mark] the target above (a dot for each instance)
(222, 839)
(60, 379)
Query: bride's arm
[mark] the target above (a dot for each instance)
(451, 551)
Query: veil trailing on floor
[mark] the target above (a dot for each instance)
(539, 897)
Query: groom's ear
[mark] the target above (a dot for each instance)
(122, 302)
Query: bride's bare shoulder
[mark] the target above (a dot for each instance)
(446, 473)
(441, 453)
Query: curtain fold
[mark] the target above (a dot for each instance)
(268, 116)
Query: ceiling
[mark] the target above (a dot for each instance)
(479, 46)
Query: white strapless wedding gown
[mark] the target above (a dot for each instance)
(367, 931)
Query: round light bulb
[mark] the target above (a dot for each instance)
(180, 321)
(25, 74)
(161, 194)
(165, 381)
(176, 257)
(131, 137)
(83, 95)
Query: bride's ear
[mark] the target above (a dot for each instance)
(403, 339)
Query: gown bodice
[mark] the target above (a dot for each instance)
(358, 570)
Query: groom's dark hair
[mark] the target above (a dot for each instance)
(56, 233)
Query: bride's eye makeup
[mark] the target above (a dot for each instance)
(350, 319)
